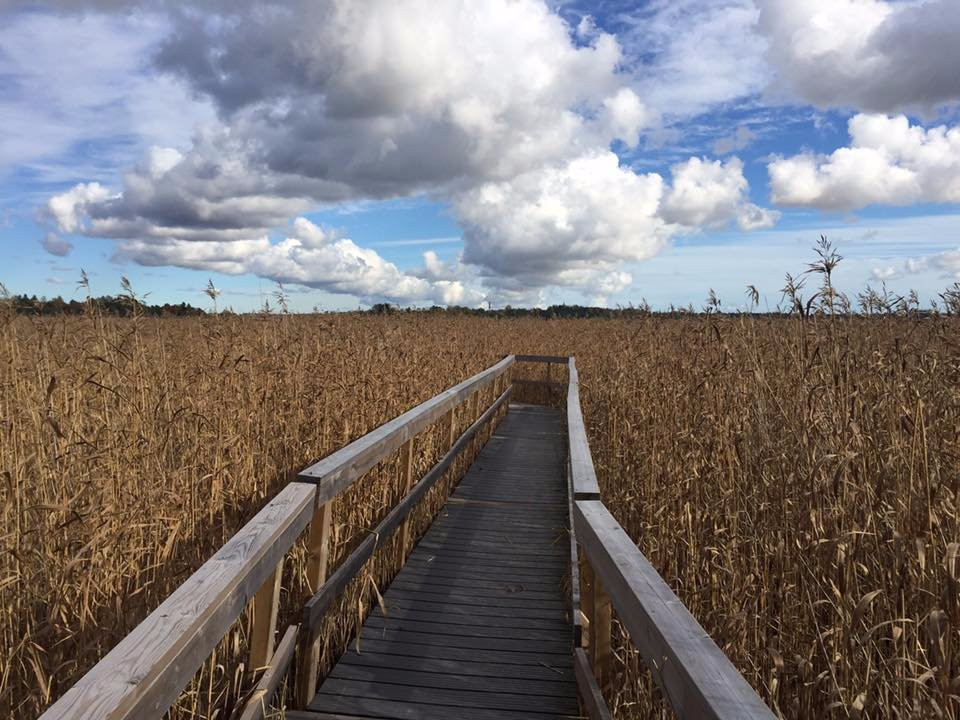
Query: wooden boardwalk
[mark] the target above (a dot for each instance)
(477, 624)
(483, 621)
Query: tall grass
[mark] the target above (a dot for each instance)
(793, 479)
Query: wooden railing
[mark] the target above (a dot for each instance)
(145, 673)
(609, 573)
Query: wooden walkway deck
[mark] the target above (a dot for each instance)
(477, 626)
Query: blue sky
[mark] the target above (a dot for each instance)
(484, 153)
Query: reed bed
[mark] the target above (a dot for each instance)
(794, 479)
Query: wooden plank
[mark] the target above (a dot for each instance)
(560, 646)
(337, 471)
(467, 668)
(143, 675)
(406, 710)
(466, 598)
(454, 681)
(585, 486)
(558, 359)
(487, 699)
(494, 582)
(486, 610)
(315, 608)
(259, 701)
(454, 615)
(437, 627)
(590, 694)
(695, 675)
(392, 646)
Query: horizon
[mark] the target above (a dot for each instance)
(518, 153)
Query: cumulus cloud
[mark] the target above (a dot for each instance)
(555, 223)
(872, 55)
(496, 105)
(889, 161)
(310, 257)
(711, 193)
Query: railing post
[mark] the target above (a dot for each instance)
(586, 600)
(318, 550)
(474, 415)
(600, 630)
(265, 604)
(453, 428)
(406, 482)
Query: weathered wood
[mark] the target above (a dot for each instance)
(590, 694)
(600, 628)
(695, 675)
(320, 602)
(476, 619)
(575, 622)
(318, 552)
(143, 675)
(259, 701)
(406, 483)
(538, 383)
(337, 471)
(585, 486)
(318, 546)
(265, 604)
(558, 359)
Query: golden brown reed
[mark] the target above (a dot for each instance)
(794, 480)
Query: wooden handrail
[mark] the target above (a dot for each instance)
(321, 601)
(696, 676)
(336, 472)
(584, 477)
(145, 673)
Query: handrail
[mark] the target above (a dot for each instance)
(695, 675)
(143, 675)
(336, 472)
(337, 583)
(584, 477)
(146, 671)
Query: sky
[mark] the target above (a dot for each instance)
(480, 153)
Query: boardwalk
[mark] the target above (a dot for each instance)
(503, 609)
(477, 626)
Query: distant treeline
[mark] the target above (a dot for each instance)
(107, 304)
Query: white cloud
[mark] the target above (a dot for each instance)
(625, 116)
(888, 162)
(711, 193)
(947, 263)
(310, 257)
(691, 55)
(550, 225)
(888, 272)
(491, 104)
(69, 208)
(72, 79)
(872, 55)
